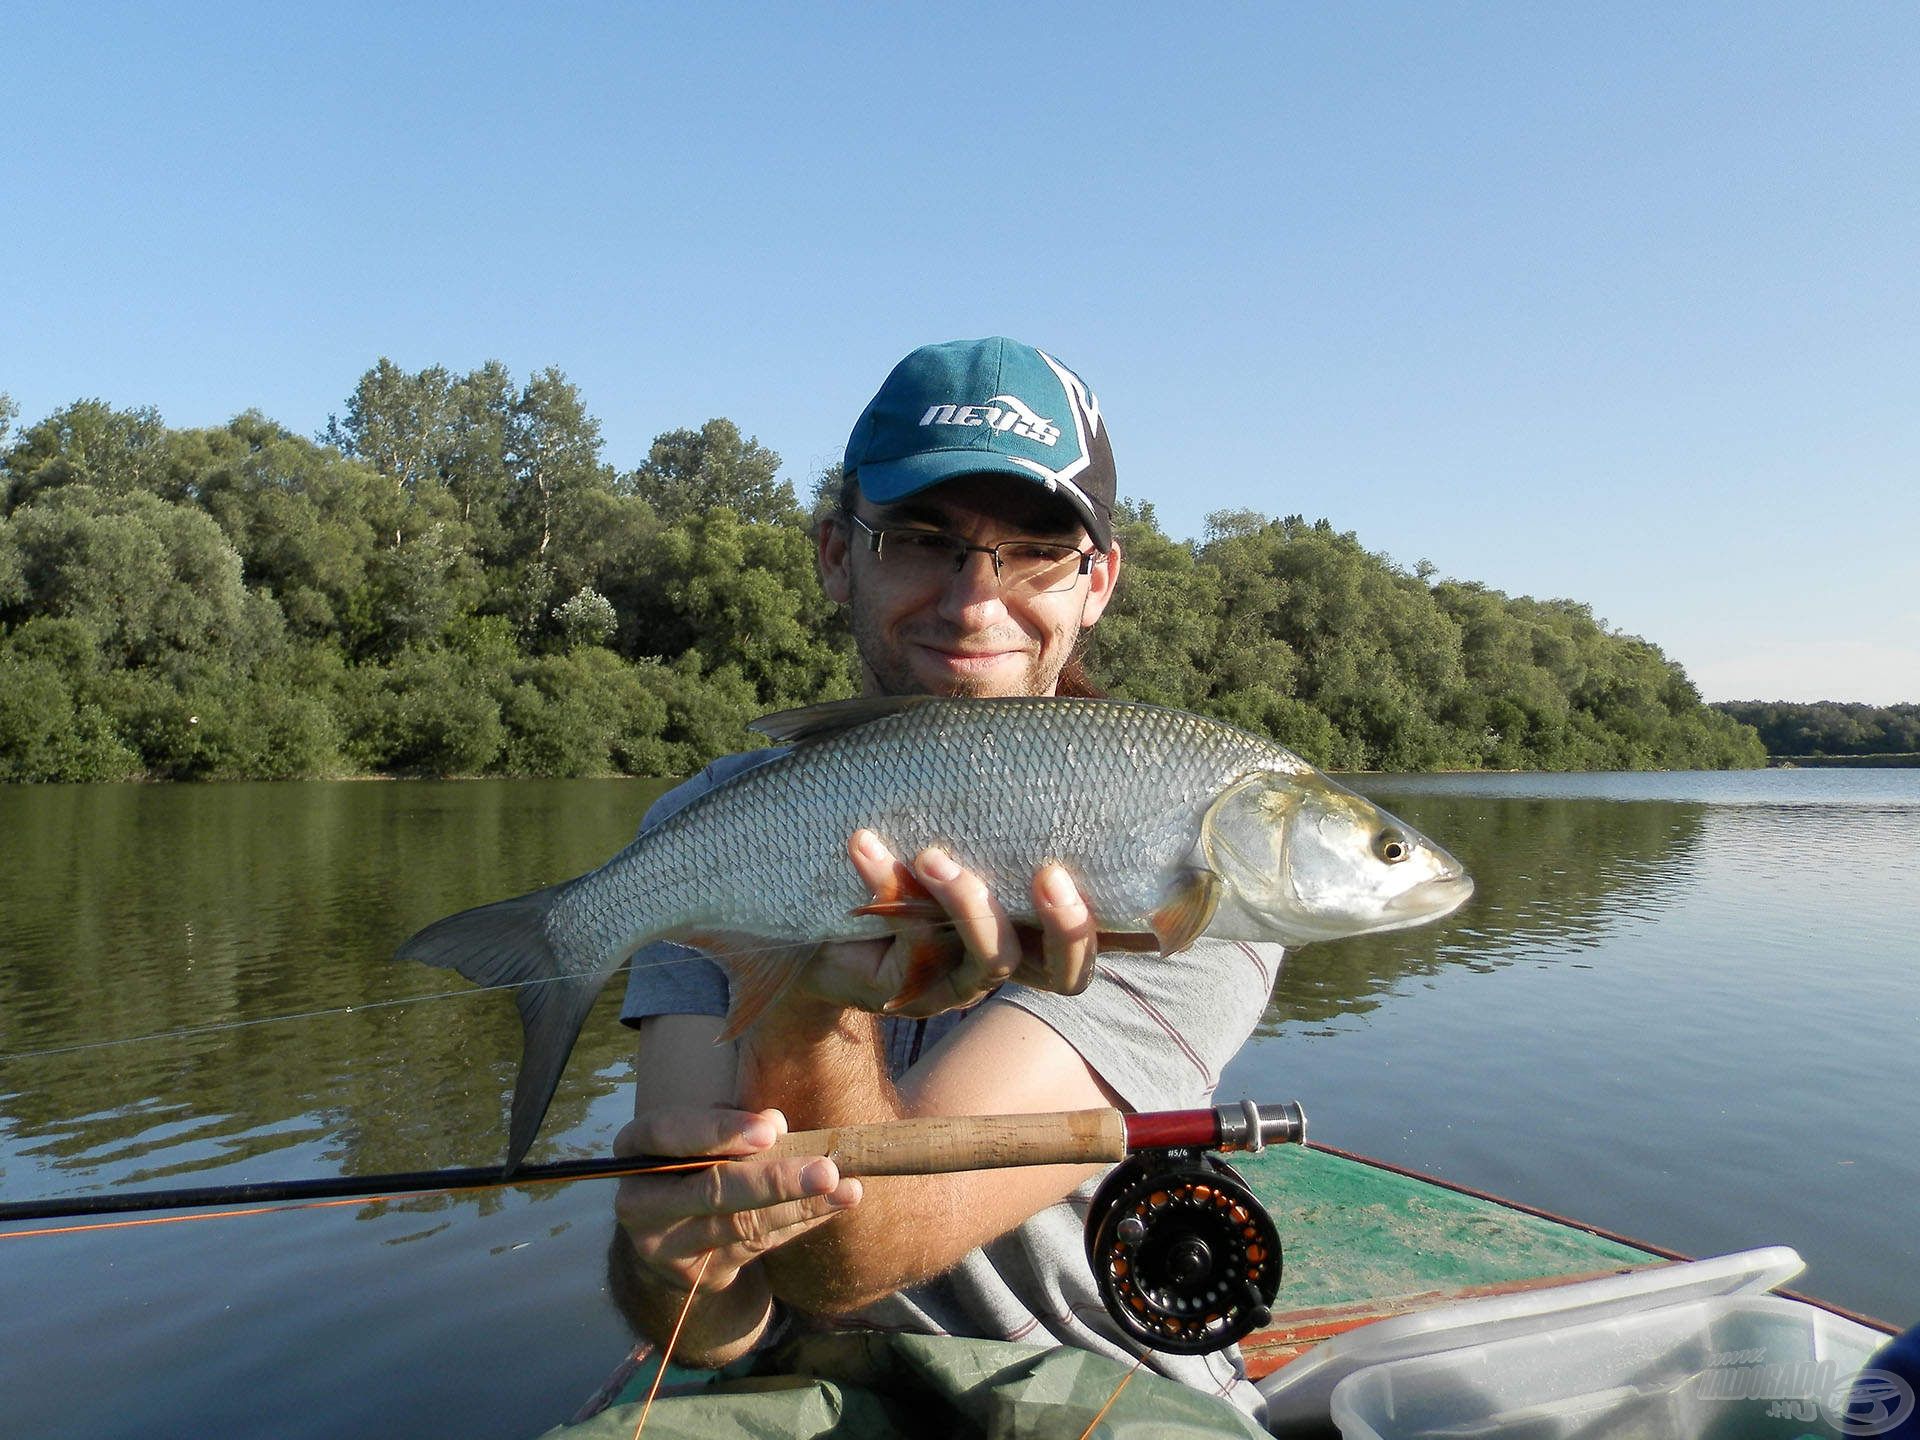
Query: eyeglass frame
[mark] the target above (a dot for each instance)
(875, 535)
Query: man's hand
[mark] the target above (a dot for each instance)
(737, 1212)
(967, 950)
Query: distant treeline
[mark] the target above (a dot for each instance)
(1829, 727)
(452, 580)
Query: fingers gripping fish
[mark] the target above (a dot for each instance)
(1173, 825)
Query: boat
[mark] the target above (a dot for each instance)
(1410, 1305)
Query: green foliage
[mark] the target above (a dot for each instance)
(51, 727)
(1296, 631)
(1826, 727)
(426, 711)
(689, 472)
(452, 581)
(732, 592)
(586, 618)
(149, 578)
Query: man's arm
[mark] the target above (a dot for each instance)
(820, 1048)
(822, 1065)
(905, 1229)
(738, 1211)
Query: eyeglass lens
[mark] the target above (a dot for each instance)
(1029, 566)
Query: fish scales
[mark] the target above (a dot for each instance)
(1173, 826)
(1114, 791)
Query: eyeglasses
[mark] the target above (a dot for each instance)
(1023, 567)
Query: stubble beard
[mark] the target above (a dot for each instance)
(892, 672)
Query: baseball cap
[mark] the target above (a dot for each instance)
(993, 406)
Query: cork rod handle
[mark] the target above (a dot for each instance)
(943, 1144)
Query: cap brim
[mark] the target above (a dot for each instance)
(885, 481)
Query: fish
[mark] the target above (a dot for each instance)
(1173, 825)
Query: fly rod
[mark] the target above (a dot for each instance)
(929, 1145)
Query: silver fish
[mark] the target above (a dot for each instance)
(1173, 825)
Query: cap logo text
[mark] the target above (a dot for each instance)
(1002, 412)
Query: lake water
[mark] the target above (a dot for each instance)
(1680, 1006)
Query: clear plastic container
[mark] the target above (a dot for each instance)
(1734, 1366)
(1299, 1395)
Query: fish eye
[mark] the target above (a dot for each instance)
(1391, 846)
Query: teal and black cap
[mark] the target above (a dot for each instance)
(990, 406)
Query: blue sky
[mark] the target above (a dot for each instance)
(1620, 303)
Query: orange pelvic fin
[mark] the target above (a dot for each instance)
(930, 959)
(929, 910)
(1187, 912)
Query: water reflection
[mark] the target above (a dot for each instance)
(140, 911)
(1550, 875)
(135, 911)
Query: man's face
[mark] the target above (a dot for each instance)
(960, 634)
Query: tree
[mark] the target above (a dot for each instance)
(452, 582)
(1158, 640)
(688, 472)
(147, 578)
(735, 593)
(306, 521)
(116, 452)
(552, 459)
(400, 424)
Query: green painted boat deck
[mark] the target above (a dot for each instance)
(1354, 1234)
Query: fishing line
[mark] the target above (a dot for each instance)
(1101, 1414)
(673, 1341)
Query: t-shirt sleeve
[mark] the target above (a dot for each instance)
(1159, 1030)
(668, 979)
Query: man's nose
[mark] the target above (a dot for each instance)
(974, 585)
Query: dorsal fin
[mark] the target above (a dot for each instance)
(836, 717)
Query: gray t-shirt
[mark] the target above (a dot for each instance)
(1157, 1031)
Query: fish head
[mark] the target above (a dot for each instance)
(1311, 860)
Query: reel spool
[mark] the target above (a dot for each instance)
(1183, 1255)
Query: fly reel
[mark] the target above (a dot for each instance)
(1183, 1255)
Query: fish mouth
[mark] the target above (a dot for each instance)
(1430, 899)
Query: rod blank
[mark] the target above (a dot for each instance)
(929, 1145)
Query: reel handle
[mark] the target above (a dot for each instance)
(945, 1144)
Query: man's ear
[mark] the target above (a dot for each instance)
(830, 553)
(1101, 579)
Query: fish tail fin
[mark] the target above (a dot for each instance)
(506, 943)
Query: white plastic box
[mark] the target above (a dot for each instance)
(1731, 1366)
(1299, 1396)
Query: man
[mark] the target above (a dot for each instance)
(973, 545)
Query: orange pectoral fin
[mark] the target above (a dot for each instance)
(928, 910)
(903, 897)
(759, 970)
(1187, 912)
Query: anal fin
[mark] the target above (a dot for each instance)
(759, 971)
